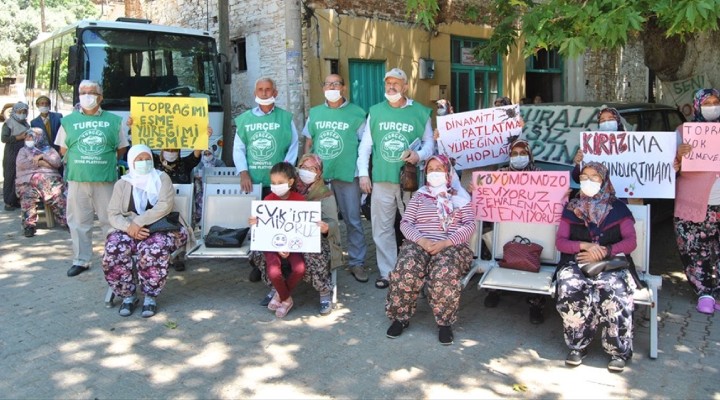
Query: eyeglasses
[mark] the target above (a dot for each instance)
(92, 93)
(594, 178)
(334, 85)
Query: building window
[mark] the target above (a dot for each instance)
(544, 76)
(474, 84)
(240, 54)
(334, 66)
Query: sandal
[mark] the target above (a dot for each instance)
(274, 303)
(381, 283)
(284, 307)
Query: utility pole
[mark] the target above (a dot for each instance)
(294, 60)
(224, 44)
(43, 27)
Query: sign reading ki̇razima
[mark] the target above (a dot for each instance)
(478, 138)
(170, 123)
(286, 226)
(640, 164)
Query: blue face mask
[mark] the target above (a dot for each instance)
(143, 167)
(608, 126)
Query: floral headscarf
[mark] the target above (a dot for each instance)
(616, 114)
(522, 143)
(449, 197)
(594, 209)
(700, 96)
(317, 190)
(504, 101)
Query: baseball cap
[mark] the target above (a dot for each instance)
(396, 73)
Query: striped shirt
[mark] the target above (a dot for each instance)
(421, 220)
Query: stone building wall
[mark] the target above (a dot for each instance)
(619, 75)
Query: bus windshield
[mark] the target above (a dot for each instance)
(143, 63)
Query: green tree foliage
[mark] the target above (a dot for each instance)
(20, 25)
(574, 26)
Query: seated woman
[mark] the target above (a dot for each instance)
(143, 196)
(318, 266)
(596, 226)
(38, 178)
(521, 159)
(437, 224)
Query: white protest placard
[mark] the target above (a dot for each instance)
(704, 137)
(553, 131)
(520, 196)
(478, 138)
(640, 164)
(680, 94)
(286, 226)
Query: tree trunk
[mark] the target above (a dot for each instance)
(133, 8)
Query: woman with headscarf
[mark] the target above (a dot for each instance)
(521, 159)
(318, 266)
(609, 120)
(38, 178)
(13, 135)
(143, 196)
(697, 212)
(596, 226)
(437, 224)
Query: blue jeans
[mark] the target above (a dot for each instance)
(347, 195)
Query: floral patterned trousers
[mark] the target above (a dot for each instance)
(317, 268)
(49, 189)
(584, 303)
(153, 259)
(699, 247)
(443, 273)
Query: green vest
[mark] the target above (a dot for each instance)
(91, 143)
(393, 130)
(334, 139)
(267, 139)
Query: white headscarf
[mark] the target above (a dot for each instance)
(146, 188)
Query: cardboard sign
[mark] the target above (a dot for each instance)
(478, 138)
(553, 131)
(530, 197)
(640, 164)
(704, 137)
(287, 226)
(680, 94)
(170, 123)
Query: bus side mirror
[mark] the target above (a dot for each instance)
(72, 63)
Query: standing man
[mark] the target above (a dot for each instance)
(91, 140)
(48, 121)
(333, 132)
(266, 135)
(391, 127)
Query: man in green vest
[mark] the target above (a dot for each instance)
(333, 132)
(266, 135)
(91, 140)
(392, 127)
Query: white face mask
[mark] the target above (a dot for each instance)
(442, 111)
(306, 176)
(519, 162)
(710, 113)
(590, 188)
(333, 95)
(88, 101)
(608, 126)
(143, 167)
(170, 156)
(44, 110)
(280, 190)
(30, 143)
(393, 98)
(207, 159)
(265, 102)
(437, 179)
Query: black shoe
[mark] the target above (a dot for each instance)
(575, 357)
(179, 266)
(9, 207)
(268, 297)
(492, 299)
(617, 364)
(128, 306)
(149, 310)
(255, 275)
(76, 270)
(536, 315)
(29, 231)
(445, 335)
(396, 329)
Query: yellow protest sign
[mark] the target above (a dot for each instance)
(170, 123)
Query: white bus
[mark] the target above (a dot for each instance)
(128, 57)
